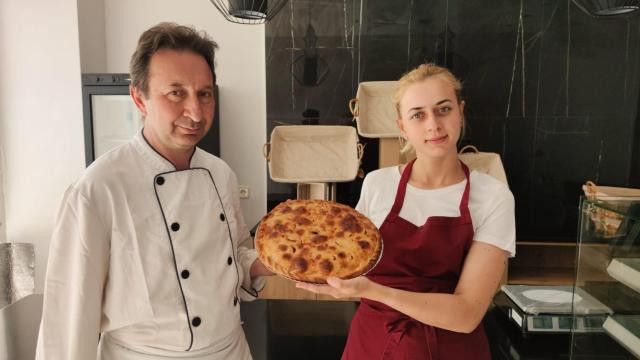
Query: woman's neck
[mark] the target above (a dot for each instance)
(434, 173)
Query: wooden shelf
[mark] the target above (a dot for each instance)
(278, 288)
(537, 276)
(542, 263)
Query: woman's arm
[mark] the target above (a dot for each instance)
(461, 311)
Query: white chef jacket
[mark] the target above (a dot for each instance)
(153, 258)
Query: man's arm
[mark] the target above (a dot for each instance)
(252, 269)
(76, 273)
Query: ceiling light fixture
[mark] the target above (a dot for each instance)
(248, 11)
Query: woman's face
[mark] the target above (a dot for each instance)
(431, 117)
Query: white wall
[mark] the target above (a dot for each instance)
(41, 134)
(93, 50)
(240, 68)
(3, 228)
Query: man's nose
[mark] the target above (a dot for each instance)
(192, 108)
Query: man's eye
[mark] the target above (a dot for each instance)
(206, 97)
(175, 93)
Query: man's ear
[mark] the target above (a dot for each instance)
(138, 99)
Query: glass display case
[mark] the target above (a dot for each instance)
(608, 268)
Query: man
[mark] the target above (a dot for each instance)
(149, 248)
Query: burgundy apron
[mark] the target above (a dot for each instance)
(428, 258)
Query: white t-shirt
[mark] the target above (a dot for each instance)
(491, 204)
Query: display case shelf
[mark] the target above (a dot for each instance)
(627, 271)
(625, 329)
(608, 268)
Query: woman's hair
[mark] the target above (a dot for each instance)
(168, 36)
(421, 73)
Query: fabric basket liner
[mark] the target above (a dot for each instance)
(374, 111)
(485, 162)
(313, 154)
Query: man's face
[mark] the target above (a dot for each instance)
(179, 105)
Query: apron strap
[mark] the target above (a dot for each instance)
(464, 202)
(402, 189)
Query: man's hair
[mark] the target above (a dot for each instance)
(168, 36)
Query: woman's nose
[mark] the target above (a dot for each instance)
(431, 122)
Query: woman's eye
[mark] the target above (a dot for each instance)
(417, 115)
(445, 110)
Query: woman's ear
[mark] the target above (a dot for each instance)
(138, 99)
(400, 126)
(462, 107)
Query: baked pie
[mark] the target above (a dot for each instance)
(309, 240)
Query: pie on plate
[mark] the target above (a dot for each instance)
(309, 240)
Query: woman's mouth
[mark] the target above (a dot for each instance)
(437, 140)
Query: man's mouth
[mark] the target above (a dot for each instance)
(188, 125)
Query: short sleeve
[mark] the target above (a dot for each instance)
(498, 225)
(363, 202)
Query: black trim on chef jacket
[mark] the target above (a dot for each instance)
(175, 265)
(173, 254)
(233, 248)
(195, 148)
(253, 293)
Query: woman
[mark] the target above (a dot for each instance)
(447, 235)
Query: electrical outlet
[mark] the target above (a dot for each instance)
(244, 192)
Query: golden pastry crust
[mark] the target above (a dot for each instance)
(308, 240)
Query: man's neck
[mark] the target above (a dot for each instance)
(179, 158)
(180, 161)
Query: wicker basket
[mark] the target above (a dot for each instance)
(373, 109)
(484, 162)
(313, 154)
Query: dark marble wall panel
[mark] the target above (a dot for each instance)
(549, 87)
(311, 56)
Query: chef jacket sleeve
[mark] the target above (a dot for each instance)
(246, 254)
(246, 257)
(76, 272)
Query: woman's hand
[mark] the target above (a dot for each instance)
(339, 288)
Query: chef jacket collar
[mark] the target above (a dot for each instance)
(153, 157)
